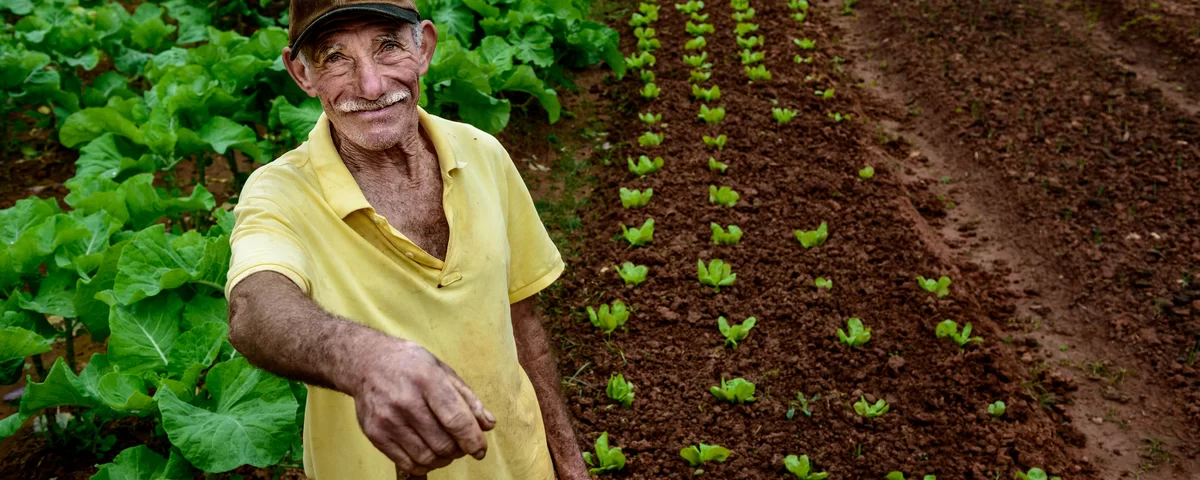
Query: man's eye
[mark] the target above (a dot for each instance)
(390, 46)
(333, 58)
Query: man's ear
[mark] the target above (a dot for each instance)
(429, 37)
(301, 74)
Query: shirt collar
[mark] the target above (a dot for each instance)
(338, 185)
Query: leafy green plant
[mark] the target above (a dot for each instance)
(639, 236)
(644, 165)
(838, 117)
(641, 60)
(715, 166)
(648, 44)
(723, 196)
(697, 43)
(813, 238)
(858, 335)
(997, 409)
(650, 91)
(697, 61)
(802, 469)
(718, 142)
(798, 5)
(711, 116)
(949, 328)
(696, 455)
(735, 333)
(696, 29)
(757, 73)
(848, 7)
(742, 29)
(824, 94)
(650, 118)
(941, 286)
(866, 173)
(697, 76)
(803, 405)
(1034, 474)
(805, 43)
(707, 94)
(644, 32)
(692, 6)
(619, 390)
(823, 283)
(633, 274)
(739, 5)
(717, 274)
(900, 476)
(802, 59)
(866, 410)
(609, 318)
(651, 139)
(799, 17)
(751, 56)
(606, 460)
(635, 198)
(699, 17)
(736, 391)
(743, 16)
(647, 76)
(750, 42)
(782, 115)
(721, 236)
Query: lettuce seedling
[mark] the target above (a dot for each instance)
(802, 469)
(866, 173)
(639, 236)
(742, 29)
(813, 238)
(900, 476)
(641, 60)
(639, 20)
(783, 115)
(803, 405)
(697, 61)
(649, 10)
(606, 460)
(739, 5)
(735, 333)
(997, 409)
(632, 274)
(805, 44)
(696, 455)
(858, 334)
(707, 94)
(700, 17)
(724, 196)
(692, 6)
(871, 411)
(838, 117)
(697, 76)
(949, 328)
(720, 236)
(711, 116)
(609, 318)
(716, 166)
(697, 43)
(823, 283)
(799, 17)
(751, 56)
(644, 165)
(620, 391)
(799, 59)
(694, 29)
(651, 139)
(737, 391)
(718, 274)
(635, 198)
(1034, 474)
(757, 73)
(744, 16)
(650, 91)
(644, 32)
(941, 286)
(650, 118)
(824, 94)
(800, 5)
(647, 76)
(717, 143)
(750, 42)
(648, 44)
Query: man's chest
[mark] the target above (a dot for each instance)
(417, 212)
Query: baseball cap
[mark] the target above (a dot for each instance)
(306, 16)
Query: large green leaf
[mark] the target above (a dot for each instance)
(141, 463)
(89, 123)
(250, 420)
(86, 254)
(202, 310)
(18, 343)
(453, 17)
(124, 393)
(477, 108)
(55, 295)
(143, 333)
(106, 157)
(19, 7)
(300, 120)
(524, 80)
(61, 388)
(222, 133)
(152, 264)
(93, 313)
(196, 346)
(12, 423)
(533, 45)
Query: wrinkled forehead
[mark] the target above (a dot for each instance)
(355, 28)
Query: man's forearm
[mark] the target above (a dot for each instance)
(533, 350)
(281, 330)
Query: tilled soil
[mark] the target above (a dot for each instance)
(790, 177)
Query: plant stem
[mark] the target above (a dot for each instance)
(70, 324)
(39, 367)
(209, 284)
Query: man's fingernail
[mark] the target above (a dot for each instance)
(479, 455)
(489, 416)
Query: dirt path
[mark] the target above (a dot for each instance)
(1133, 401)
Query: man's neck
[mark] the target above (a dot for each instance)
(406, 158)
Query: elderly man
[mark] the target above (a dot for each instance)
(389, 263)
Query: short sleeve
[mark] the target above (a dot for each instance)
(264, 240)
(534, 260)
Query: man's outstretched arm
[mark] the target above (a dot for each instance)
(413, 407)
(533, 351)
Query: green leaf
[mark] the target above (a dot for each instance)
(141, 463)
(18, 343)
(300, 120)
(61, 388)
(453, 17)
(498, 54)
(89, 123)
(55, 295)
(19, 7)
(477, 108)
(143, 333)
(106, 157)
(203, 310)
(533, 45)
(523, 79)
(151, 264)
(124, 392)
(250, 421)
(151, 34)
(198, 345)
(93, 313)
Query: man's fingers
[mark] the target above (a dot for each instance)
(486, 420)
(452, 411)
(437, 438)
(390, 447)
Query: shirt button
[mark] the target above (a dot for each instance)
(409, 255)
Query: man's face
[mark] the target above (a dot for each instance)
(366, 73)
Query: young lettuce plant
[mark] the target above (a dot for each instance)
(941, 286)
(735, 333)
(823, 283)
(606, 460)
(717, 142)
(715, 166)
(639, 236)
(697, 61)
(711, 116)
(699, 17)
(651, 139)
(1034, 474)
(739, 5)
(619, 390)
(737, 391)
(802, 469)
(838, 117)
(997, 409)
(650, 118)
(757, 73)
(697, 76)
(824, 94)
(717, 274)
(900, 476)
(949, 328)
(866, 173)
(644, 32)
(692, 6)
(724, 196)
(647, 76)
(641, 60)
(858, 334)
(709, 94)
(697, 43)
(644, 165)
(751, 56)
(648, 44)
(650, 91)
(609, 318)
(721, 236)
(750, 42)
(813, 238)
(633, 274)
(805, 43)
(742, 29)
(802, 59)
(635, 198)
(696, 455)
(798, 5)
(743, 16)
(699, 29)
(783, 115)
(871, 411)
(803, 405)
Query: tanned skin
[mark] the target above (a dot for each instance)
(412, 406)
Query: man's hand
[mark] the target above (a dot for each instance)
(417, 410)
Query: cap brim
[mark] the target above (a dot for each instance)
(382, 9)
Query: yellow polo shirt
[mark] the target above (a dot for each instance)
(304, 216)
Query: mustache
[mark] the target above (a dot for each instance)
(384, 101)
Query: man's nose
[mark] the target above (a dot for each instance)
(370, 82)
